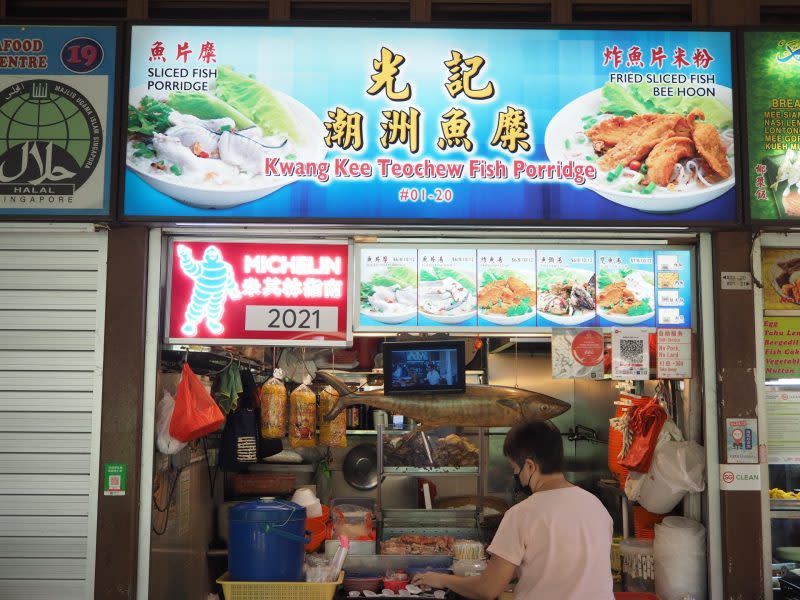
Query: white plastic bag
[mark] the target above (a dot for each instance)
(678, 468)
(165, 443)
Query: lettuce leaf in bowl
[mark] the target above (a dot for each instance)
(257, 102)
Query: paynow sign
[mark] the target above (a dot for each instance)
(258, 293)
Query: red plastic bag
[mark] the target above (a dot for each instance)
(196, 414)
(645, 423)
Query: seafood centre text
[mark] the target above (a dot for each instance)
(388, 168)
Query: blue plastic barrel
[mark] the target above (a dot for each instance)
(266, 541)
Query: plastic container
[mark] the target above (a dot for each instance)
(468, 568)
(266, 541)
(260, 590)
(635, 596)
(680, 552)
(353, 521)
(638, 565)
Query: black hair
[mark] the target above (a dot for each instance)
(538, 440)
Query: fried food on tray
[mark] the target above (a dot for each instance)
(618, 297)
(662, 159)
(418, 545)
(607, 134)
(638, 145)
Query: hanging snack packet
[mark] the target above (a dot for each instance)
(272, 401)
(303, 416)
(331, 433)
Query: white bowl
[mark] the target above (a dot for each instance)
(626, 319)
(390, 319)
(449, 319)
(498, 319)
(575, 318)
(217, 196)
(568, 120)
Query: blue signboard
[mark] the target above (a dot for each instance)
(376, 124)
(56, 116)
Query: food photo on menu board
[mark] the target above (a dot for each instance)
(447, 290)
(566, 281)
(430, 125)
(626, 291)
(388, 287)
(507, 287)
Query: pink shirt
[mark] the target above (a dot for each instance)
(560, 541)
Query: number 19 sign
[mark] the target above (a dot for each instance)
(245, 292)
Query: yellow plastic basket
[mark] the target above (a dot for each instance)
(616, 557)
(278, 590)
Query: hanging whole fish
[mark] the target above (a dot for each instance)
(478, 406)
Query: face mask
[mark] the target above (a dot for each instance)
(518, 487)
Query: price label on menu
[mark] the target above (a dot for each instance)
(291, 318)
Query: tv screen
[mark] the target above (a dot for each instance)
(423, 367)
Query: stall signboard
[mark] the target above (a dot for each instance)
(439, 125)
(781, 275)
(259, 293)
(499, 289)
(772, 68)
(56, 119)
(782, 347)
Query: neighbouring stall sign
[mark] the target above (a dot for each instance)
(781, 274)
(436, 124)
(258, 293)
(782, 347)
(773, 136)
(56, 119)
(674, 348)
(783, 426)
(512, 288)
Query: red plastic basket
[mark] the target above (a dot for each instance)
(635, 596)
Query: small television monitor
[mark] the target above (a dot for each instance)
(423, 367)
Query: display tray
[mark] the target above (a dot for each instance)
(784, 504)
(429, 470)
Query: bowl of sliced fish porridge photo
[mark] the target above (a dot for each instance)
(210, 149)
(652, 153)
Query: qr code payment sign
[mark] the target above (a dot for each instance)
(630, 353)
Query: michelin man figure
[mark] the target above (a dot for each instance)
(213, 284)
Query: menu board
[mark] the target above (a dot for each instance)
(432, 124)
(626, 288)
(447, 291)
(673, 288)
(499, 289)
(772, 68)
(388, 287)
(783, 426)
(566, 292)
(781, 277)
(506, 287)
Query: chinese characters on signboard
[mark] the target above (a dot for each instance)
(428, 124)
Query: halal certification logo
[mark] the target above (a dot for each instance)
(51, 139)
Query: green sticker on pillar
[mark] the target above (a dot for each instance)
(114, 479)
